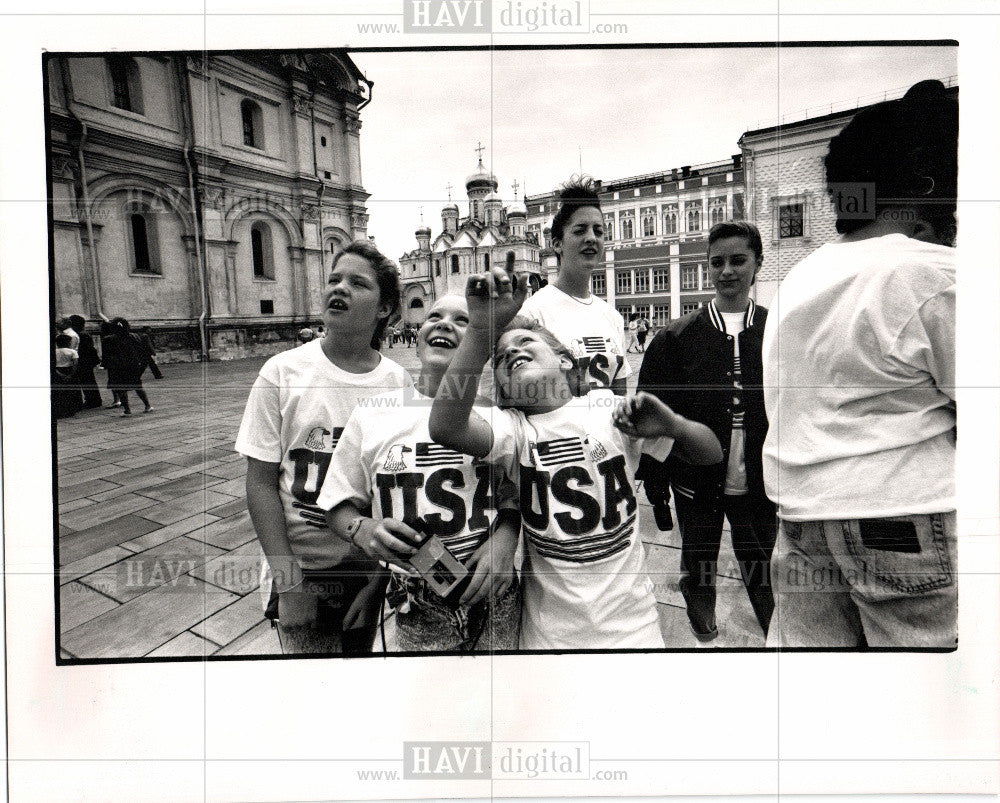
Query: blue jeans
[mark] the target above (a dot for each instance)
(877, 582)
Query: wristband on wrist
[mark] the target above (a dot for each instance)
(510, 517)
(353, 528)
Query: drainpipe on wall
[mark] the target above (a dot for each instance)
(320, 194)
(203, 317)
(95, 275)
(192, 174)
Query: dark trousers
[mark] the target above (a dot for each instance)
(754, 527)
(88, 386)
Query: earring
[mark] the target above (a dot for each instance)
(930, 189)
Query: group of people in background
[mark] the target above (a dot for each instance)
(405, 333)
(125, 355)
(491, 503)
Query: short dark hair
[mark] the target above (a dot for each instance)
(738, 228)
(63, 341)
(907, 148)
(386, 276)
(78, 323)
(577, 193)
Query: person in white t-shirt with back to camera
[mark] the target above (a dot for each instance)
(591, 328)
(859, 380)
(325, 594)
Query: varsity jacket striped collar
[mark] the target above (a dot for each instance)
(719, 323)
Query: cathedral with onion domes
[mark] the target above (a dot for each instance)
(489, 235)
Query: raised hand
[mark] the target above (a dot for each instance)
(494, 299)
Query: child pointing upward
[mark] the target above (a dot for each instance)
(585, 583)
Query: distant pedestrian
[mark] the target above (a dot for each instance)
(633, 333)
(305, 335)
(65, 327)
(642, 332)
(146, 341)
(66, 398)
(125, 358)
(89, 359)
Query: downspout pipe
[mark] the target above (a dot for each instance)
(203, 317)
(192, 174)
(95, 274)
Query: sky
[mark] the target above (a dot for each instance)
(541, 114)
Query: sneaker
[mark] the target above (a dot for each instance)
(148, 409)
(126, 414)
(116, 404)
(704, 637)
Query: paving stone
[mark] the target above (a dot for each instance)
(186, 645)
(77, 545)
(184, 506)
(230, 533)
(71, 492)
(230, 508)
(79, 604)
(262, 639)
(232, 621)
(76, 504)
(91, 563)
(165, 491)
(87, 517)
(229, 470)
(146, 622)
(166, 564)
(183, 527)
(237, 570)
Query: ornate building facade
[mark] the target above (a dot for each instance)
(490, 235)
(203, 196)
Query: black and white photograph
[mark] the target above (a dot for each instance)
(257, 228)
(481, 398)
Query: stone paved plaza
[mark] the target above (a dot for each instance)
(157, 553)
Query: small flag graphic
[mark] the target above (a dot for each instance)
(433, 454)
(559, 451)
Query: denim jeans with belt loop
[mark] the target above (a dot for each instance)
(887, 582)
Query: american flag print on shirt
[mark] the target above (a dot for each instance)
(594, 344)
(559, 451)
(433, 454)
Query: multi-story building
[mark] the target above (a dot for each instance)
(203, 196)
(490, 235)
(656, 227)
(786, 188)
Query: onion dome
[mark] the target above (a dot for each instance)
(517, 208)
(481, 179)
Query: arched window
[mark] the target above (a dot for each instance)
(670, 220)
(486, 263)
(717, 213)
(253, 124)
(628, 228)
(144, 246)
(694, 220)
(261, 251)
(609, 227)
(454, 263)
(416, 304)
(126, 84)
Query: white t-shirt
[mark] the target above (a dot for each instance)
(297, 409)
(859, 382)
(386, 459)
(593, 331)
(585, 580)
(736, 469)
